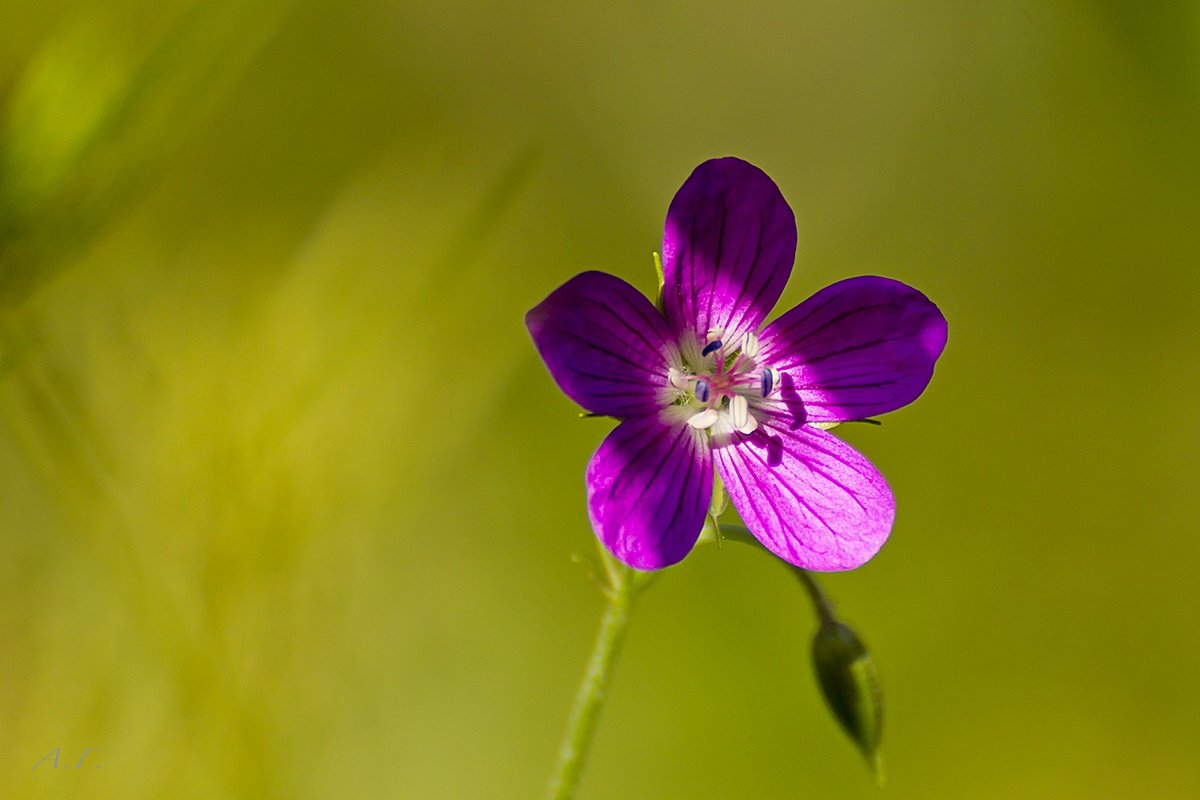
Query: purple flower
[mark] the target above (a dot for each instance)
(699, 386)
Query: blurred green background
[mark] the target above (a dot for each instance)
(288, 502)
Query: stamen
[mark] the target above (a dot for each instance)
(704, 419)
(677, 378)
(739, 410)
(750, 345)
(750, 427)
(701, 390)
(770, 377)
(722, 430)
(711, 347)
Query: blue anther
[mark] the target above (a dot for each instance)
(702, 391)
(711, 347)
(768, 382)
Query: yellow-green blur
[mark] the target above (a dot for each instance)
(289, 505)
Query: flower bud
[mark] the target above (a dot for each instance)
(850, 684)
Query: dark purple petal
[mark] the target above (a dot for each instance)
(728, 248)
(809, 497)
(604, 343)
(861, 347)
(649, 487)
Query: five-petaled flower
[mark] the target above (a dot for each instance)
(699, 386)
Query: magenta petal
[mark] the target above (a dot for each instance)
(649, 487)
(728, 248)
(604, 343)
(809, 497)
(860, 347)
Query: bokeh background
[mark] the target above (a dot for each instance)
(288, 504)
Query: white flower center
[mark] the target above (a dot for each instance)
(717, 388)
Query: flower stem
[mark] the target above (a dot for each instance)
(821, 602)
(623, 586)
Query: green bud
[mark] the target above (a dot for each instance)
(850, 684)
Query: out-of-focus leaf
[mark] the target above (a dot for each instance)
(95, 114)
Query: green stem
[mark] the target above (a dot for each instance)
(820, 600)
(623, 586)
